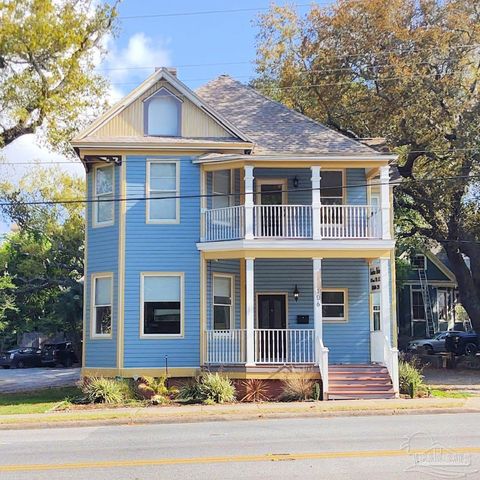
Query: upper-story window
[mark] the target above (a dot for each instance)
(163, 188)
(331, 187)
(162, 114)
(103, 193)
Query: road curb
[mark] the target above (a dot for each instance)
(144, 420)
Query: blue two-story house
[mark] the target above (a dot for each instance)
(226, 231)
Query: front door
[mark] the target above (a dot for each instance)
(271, 194)
(272, 322)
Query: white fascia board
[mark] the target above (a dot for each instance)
(297, 157)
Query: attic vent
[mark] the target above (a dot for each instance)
(170, 70)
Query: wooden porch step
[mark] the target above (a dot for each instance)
(359, 381)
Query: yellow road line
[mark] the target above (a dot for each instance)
(230, 459)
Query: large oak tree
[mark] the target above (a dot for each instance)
(48, 50)
(406, 70)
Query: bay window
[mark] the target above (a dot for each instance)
(163, 189)
(103, 194)
(101, 305)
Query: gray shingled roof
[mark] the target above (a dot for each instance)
(273, 127)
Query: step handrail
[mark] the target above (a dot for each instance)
(322, 361)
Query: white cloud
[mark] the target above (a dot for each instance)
(123, 67)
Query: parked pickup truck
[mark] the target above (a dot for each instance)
(462, 343)
(58, 353)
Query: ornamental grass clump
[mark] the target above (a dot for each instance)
(103, 390)
(411, 379)
(208, 388)
(298, 387)
(255, 390)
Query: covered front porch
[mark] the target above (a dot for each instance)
(296, 312)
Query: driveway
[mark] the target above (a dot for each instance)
(20, 380)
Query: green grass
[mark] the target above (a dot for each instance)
(39, 401)
(449, 394)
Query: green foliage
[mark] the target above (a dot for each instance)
(103, 390)
(217, 388)
(48, 50)
(411, 379)
(406, 71)
(255, 390)
(317, 392)
(209, 388)
(298, 387)
(155, 389)
(42, 262)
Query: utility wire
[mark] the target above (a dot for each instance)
(219, 195)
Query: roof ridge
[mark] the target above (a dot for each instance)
(299, 114)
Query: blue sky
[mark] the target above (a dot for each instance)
(216, 43)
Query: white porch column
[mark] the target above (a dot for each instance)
(385, 304)
(385, 201)
(317, 302)
(248, 202)
(250, 310)
(316, 202)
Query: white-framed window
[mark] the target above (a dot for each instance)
(221, 186)
(163, 188)
(334, 305)
(223, 301)
(103, 194)
(162, 114)
(419, 262)
(102, 300)
(331, 187)
(162, 305)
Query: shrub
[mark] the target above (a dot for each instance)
(209, 388)
(191, 391)
(297, 388)
(411, 379)
(103, 390)
(217, 388)
(255, 390)
(147, 388)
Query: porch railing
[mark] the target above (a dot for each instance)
(284, 346)
(349, 221)
(225, 347)
(226, 223)
(283, 221)
(292, 222)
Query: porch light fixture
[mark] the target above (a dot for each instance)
(296, 293)
(295, 182)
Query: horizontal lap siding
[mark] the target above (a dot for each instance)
(223, 266)
(162, 248)
(102, 256)
(349, 342)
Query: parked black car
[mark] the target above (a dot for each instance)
(21, 358)
(462, 343)
(58, 353)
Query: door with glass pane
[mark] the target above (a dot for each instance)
(332, 197)
(271, 194)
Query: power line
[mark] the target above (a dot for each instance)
(356, 55)
(140, 160)
(211, 12)
(219, 195)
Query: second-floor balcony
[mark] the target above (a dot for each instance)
(292, 222)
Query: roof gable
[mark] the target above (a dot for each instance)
(126, 117)
(272, 126)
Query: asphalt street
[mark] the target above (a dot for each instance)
(26, 379)
(370, 447)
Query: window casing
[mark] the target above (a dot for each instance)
(163, 180)
(331, 187)
(162, 114)
(418, 307)
(161, 305)
(419, 262)
(103, 195)
(334, 305)
(102, 300)
(223, 301)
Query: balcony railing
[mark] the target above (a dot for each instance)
(292, 222)
(271, 346)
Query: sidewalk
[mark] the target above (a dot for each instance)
(241, 411)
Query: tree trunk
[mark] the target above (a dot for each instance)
(469, 294)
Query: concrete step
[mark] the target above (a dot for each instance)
(360, 395)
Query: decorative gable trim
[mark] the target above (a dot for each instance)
(161, 74)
